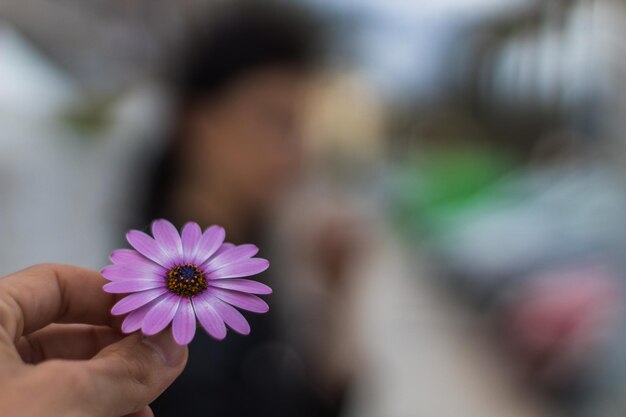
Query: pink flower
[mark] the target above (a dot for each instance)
(177, 279)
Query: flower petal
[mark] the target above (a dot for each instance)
(136, 300)
(134, 320)
(133, 285)
(168, 239)
(133, 259)
(243, 285)
(231, 316)
(211, 240)
(241, 269)
(239, 299)
(184, 323)
(120, 256)
(225, 246)
(148, 247)
(124, 273)
(235, 254)
(190, 236)
(208, 317)
(160, 315)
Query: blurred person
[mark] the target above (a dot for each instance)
(241, 89)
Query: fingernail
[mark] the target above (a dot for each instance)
(166, 347)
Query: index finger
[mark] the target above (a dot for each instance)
(50, 293)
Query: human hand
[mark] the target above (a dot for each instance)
(52, 366)
(339, 238)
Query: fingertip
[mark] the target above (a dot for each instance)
(144, 412)
(137, 369)
(172, 354)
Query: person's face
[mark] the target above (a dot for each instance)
(247, 140)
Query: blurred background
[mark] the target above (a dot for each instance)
(438, 184)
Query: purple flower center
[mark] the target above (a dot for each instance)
(186, 280)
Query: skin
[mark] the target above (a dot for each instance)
(241, 149)
(61, 354)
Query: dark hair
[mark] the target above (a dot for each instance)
(234, 41)
(241, 38)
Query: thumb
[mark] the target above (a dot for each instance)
(131, 373)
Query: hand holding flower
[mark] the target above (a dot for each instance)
(53, 368)
(60, 351)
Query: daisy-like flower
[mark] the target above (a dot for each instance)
(177, 279)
